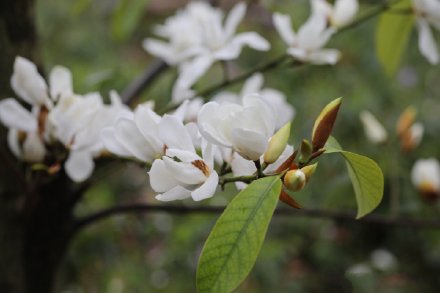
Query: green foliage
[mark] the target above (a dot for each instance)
(392, 35)
(365, 175)
(235, 241)
(126, 18)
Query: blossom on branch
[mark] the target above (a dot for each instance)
(338, 15)
(425, 176)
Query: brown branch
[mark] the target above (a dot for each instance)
(133, 90)
(311, 213)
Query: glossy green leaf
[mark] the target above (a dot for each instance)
(236, 239)
(366, 177)
(392, 35)
(126, 18)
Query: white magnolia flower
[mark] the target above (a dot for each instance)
(427, 13)
(307, 44)
(274, 98)
(340, 14)
(374, 130)
(425, 175)
(242, 167)
(383, 259)
(182, 173)
(198, 37)
(245, 128)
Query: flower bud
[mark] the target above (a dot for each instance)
(405, 121)
(309, 171)
(305, 151)
(295, 180)
(324, 124)
(277, 144)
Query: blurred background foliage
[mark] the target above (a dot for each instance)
(157, 252)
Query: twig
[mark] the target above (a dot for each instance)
(311, 213)
(133, 90)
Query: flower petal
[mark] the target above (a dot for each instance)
(207, 189)
(427, 45)
(28, 83)
(325, 56)
(108, 138)
(13, 142)
(233, 49)
(249, 144)
(233, 19)
(60, 81)
(13, 115)
(33, 148)
(283, 25)
(184, 156)
(185, 173)
(193, 70)
(176, 193)
(174, 134)
(161, 179)
(253, 84)
(79, 165)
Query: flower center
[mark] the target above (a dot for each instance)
(201, 165)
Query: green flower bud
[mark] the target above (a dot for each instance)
(309, 170)
(277, 144)
(295, 180)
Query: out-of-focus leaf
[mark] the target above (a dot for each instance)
(392, 35)
(126, 18)
(366, 177)
(235, 241)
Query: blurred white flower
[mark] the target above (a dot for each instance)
(274, 98)
(374, 130)
(245, 128)
(307, 45)
(182, 173)
(425, 176)
(198, 37)
(427, 13)
(359, 269)
(383, 260)
(340, 14)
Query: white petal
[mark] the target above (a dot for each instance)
(193, 71)
(234, 17)
(161, 49)
(13, 142)
(147, 122)
(233, 48)
(298, 53)
(325, 56)
(251, 145)
(283, 25)
(13, 115)
(374, 130)
(108, 138)
(161, 179)
(79, 165)
(426, 171)
(427, 45)
(184, 156)
(207, 189)
(253, 84)
(176, 193)
(284, 155)
(242, 167)
(174, 134)
(33, 148)
(344, 11)
(60, 81)
(28, 83)
(185, 173)
(132, 139)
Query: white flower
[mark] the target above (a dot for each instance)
(383, 260)
(244, 128)
(182, 173)
(340, 14)
(427, 13)
(306, 45)
(425, 175)
(274, 98)
(198, 38)
(374, 131)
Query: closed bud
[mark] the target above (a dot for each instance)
(277, 144)
(309, 170)
(295, 180)
(324, 124)
(305, 151)
(405, 121)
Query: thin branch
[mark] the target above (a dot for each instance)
(311, 213)
(133, 90)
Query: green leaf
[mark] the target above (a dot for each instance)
(235, 241)
(366, 177)
(392, 37)
(126, 17)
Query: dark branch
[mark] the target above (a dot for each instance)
(312, 213)
(132, 91)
